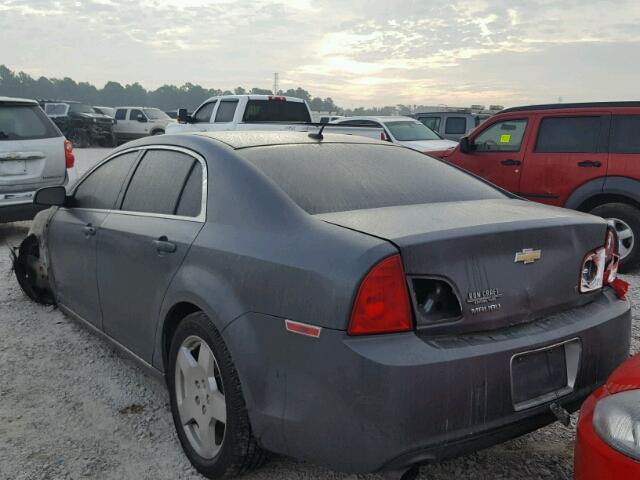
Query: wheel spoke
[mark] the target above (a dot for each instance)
(218, 406)
(206, 437)
(186, 363)
(205, 360)
(624, 234)
(189, 411)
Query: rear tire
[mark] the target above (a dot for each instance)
(234, 450)
(626, 219)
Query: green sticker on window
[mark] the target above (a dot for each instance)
(506, 138)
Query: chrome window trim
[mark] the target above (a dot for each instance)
(201, 218)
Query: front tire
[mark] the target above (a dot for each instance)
(208, 408)
(626, 221)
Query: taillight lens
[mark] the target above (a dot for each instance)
(600, 267)
(382, 303)
(69, 159)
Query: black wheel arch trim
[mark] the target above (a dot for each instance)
(610, 189)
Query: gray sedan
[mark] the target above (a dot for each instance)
(333, 298)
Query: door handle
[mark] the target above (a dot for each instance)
(511, 162)
(163, 245)
(89, 230)
(590, 163)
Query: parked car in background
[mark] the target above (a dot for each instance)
(138, 122)
(450, 124)
(608, 437)
(80, 123)
(245, 112)
(583, 156)
(108, 111)
(33, 154)
(328, 119)
(404, 131)
(333, 298)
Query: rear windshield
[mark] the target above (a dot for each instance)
(25, 122)
(276, 111)
(341, 177)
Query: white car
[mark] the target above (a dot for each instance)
(245, 112)
(138, 122)
(405, 131)
(33, 154)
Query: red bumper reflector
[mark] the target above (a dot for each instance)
(303, 328)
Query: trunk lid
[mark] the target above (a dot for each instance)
(473, 245)
(31, 164)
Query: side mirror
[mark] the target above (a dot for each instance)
(466, 145)
(183, 116)
(142, 119)
(51, 196)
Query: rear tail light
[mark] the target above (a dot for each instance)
(600, 267)
(382, 303)
(69, 159)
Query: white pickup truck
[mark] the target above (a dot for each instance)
(245, 112)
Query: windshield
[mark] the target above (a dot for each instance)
(409, 131)
(155, 114)
(80, 108)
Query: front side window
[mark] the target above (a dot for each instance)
(135, 113)
(203, 115)
(121, 114)
(158, 182)
(568, 135)
(226, 111)
(456, 125)
(100, 189)
(409, 131)
(625, 134)
(505, 136)
(431, 122)
(25, 122)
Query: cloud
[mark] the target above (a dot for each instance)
(385, 52)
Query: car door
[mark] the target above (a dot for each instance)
(121, 127)
(138, 123)
(568, 151)
(72, 236)
(497, 152)
(201, 120)
(141, 246)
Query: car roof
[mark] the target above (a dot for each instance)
(569, 106)
(26, 101)
(254, 97)
(380, 118)
(448, 112)
(248, 139)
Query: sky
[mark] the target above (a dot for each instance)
(359, 52)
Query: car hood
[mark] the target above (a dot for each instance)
(429, 145)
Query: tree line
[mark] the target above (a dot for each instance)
(166, 97)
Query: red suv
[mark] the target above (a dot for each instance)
(584, 156)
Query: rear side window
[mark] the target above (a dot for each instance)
(25, 122)
(503, 136)
(203, 115)
(342, 177)
(456, 125)
(625, 134)
(101, 188)
(432, 122)
(158, 182)
(276, 111)
(226, 111)
(121, 114)
(568, 135)
(191, 199)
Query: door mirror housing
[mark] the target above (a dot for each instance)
(142, 119)
(183, 116)
(466, 145)
(51, 196)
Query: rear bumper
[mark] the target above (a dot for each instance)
(390, 401)
(17, 212)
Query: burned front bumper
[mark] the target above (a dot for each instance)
(362, 404)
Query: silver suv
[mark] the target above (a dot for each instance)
(33, 154)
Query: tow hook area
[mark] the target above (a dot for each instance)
(561, 414)
(410, 473)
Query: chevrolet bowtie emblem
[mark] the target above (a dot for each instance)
(528, 255)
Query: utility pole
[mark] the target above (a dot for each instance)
(276, 83)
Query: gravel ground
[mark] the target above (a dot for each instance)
(71, 407)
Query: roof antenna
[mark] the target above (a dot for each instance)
(318, 136)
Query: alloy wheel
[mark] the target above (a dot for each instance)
(626, 238)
